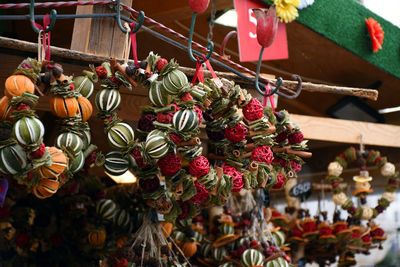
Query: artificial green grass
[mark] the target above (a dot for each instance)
(343, 22)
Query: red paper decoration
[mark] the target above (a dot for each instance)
(376, 33)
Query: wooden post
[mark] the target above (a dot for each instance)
(99, 36)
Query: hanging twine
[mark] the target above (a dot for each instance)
(127, 43)
(41, 52)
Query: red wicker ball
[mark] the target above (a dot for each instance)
(236, 134)
(262, 154)
(253, 110)
(237, 177)
(281, 137)
(201, 195)
(184, 210)
(280, 161)
(175, 138)
(296, 138)
(295, 166)
(199, 167)
(170, 164)
(199, 112)
(145, 122)
(280, 182)
(165, 117)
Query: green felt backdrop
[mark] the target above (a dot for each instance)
(343, 21)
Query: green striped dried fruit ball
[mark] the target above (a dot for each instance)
(83, 85)
(252, 257)
(279, 262)
(28, 130)
(219, 253)
(115, 163)
(86, 138)
(120, 135)
(175, 82)
(156, 144)
(122, 219)
(71, 141)
(108, 100)
(185, 120)
(158, 95)
(106, 208)
(77, 163)
(279, 238)
(226, 229)
(12, 159)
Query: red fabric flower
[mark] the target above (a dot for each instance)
(377, 160)
(378, 232)
(376, 33)
(149, 185)
(309, 227)
(71, 87)
(161, 63)
(237, 177)
(38, 153)
(366, 238)
(295, 166)
(135, 153)
(276, 213)
(335, 184)
(356, 235)
(184, 210)
(165, 117)
(186, 97)
(201, 195)
(325, 231)
(280, 161)
(254, 110)
(236, 134)
(199, 167)
(170, 164)
(340, 228)
(297, 232)
(296, 138)
(262, 154)
(101, 72)
(216, 136)
(23, 106)
(281, 137)
(175, 138)
(280, 182)
(145, 122)
(199, 113)
(22, 240)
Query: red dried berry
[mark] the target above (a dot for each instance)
(101, 72)
(201, 195)
(236, 134)
(280, 182)
(186, 97)
(170, 164)
(253, 110)
(165, 117)
(175, 138)
(161, 63)
(295, 166)
(262, 154)
(145, 123)
(296, 138)
(237, 177)
(199, 112)
(281, 137)
(38, 153)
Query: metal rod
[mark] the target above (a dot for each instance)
(59, 16)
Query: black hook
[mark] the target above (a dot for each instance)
(53, 17)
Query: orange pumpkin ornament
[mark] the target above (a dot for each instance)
(58, 165)
(46, 188)
(85, 108)
(16, 85)
(97, 237)
(166, 228)
(189, 248)
(5, 108)
(64, 107)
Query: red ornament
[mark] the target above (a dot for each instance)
(325, 231)
(281, 137)
(295, 166)
(186, 97)
(23, 106)
(253, 110)
(199, 113)
(165, 117)
(201, 195)
(280, 182)
(296, 138)
(175, 138)
(121, 262)
(170, 164)
(378, 232)
(366, 238)
(22, 240)
(236, 134)
(149, 185)
(356, 235)
(237, 177)
(145, 122)
(161, 63)
(253, 243)
(115, 80)
(71, 87)
(309, 227)
(198, 6)
(297, 232)
(352, 210)
(101, 72)
(376, 33)
(340, 228)
(280, 161)
(199, 167)
(262, 154)
(335, 184)
(38, 153)
(184, 210)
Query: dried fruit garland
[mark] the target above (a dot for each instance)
(363, 187)
(24, 155)
(167, 137)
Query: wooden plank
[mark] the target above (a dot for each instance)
(347, 131)
(80, 34)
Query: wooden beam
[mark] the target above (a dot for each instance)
(90, 58)
(347, 131)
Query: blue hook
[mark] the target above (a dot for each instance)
(53, 17)
(118, 17)
(210, 44)
(278, 81)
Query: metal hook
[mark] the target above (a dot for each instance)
(53, 17)
(210, 44)
(278, 81)
(139, 23)
(225, 41)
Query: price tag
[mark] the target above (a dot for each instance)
(301, 190)
(249, 48)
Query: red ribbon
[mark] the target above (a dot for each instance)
(209, 67)
(134, 46)
(267, 95)
(46, 36)
(199, 73)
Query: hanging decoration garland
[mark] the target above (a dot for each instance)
(387, 169)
